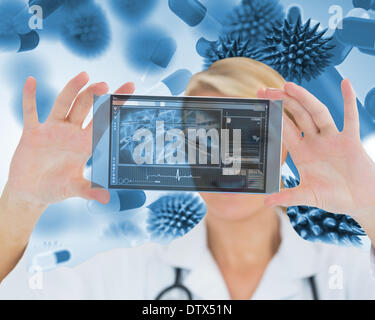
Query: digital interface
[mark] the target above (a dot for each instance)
(194, 144)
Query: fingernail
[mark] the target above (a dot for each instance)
(82, 78)
(83, 73)
(101, 84)
(274, 89)
(30, 79)
(103, 198)
(290, 85)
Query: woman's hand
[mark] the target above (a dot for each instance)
(48, 164)
(336, 174)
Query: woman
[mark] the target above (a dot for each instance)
(244, 248)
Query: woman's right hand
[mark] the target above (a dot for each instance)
(48, 164)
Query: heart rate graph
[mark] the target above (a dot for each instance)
(179, 177)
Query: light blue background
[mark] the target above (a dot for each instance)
(81, 231)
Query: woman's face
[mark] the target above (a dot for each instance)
(232, 206)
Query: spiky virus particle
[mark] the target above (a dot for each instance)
(86, 31)
(228, 46)
(252, 18)
(297, 51)
(317, 225)
(174, 215)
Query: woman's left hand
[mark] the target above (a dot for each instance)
(336, 174)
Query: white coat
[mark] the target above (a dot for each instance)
(143, 272)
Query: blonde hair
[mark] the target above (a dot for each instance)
(235, 77)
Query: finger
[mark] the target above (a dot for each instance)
(299, 113)
(84, 101)
(30, 114)
(65, 99)
(318, 111)
(261, 94)
(291, 137)
(351, 117)
(291, 197)
(82, 188)
(302, 118)
(126, 88)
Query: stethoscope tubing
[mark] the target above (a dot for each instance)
(178, 285)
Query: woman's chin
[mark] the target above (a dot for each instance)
(233, 206)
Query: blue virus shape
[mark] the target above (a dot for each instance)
(17, 70)
(9, 39)
(53, 24)
(174, 215)
(177, 81)
(45, 97)
(86, 31)
(253, 18)
(19, 67)
(132, 11)
(370, 103)
(228, 46)
(317, 225)
(149, 48)
(127, 229)
(55, 15)
(293, 14)
(75, 3)
(365, 4)
(55, 220)
(297, 51)
(89, 162)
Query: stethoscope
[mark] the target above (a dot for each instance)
(177, 291)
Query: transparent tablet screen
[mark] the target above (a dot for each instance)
(187, 144)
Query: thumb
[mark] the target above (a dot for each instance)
(82, 188)
(261, 94)
(291, 197)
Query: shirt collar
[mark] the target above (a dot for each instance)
(296, 259)
(299, 255)
(184, 252)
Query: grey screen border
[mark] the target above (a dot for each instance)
(274, 146)
(102, 110)
(100, 140)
